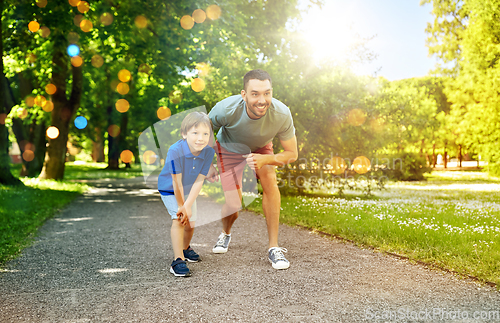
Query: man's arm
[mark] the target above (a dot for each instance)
(256, 161)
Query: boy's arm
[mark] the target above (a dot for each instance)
(178, 188)
(195, 191)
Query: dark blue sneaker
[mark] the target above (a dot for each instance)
(191, 255)
(179, 268)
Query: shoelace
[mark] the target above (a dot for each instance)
(222, 237)
(278, 253)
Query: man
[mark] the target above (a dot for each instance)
(246, 126)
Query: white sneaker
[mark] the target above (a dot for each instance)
(277, 259)
(222, 243)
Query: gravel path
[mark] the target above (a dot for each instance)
(105, 258)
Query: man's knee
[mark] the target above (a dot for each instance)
(267, 176)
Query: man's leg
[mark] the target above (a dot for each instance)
(230, 209)
(271, 202)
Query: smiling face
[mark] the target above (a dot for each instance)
(258, 97)
(197, 138)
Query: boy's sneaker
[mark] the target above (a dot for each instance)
(191, 255)
(222, 243)
(179, 268)
(277, 259)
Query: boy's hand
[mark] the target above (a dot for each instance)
(184, 214)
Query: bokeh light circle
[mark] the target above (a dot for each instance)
(202, 69)
(52, 132)
(23, 113)
(377, 124)
(122, 105)
(141, 21)
(30, 101)
(74, 3)
(199, 16)
(48, 106)
(86, 25)
(126, 156)
(106, 19)
(83, 6)
(338, 164)
(80, 122)
(163, 113)
(45, 31)
(213, 12)
(149, 157)
(77, 20)
(175, 97)
(76, 61)
(356, 117)
(33, 26)
(361, 164)
(3, 116)
(28, 155)
(97, 61)
(187, 22)
(40, 100)
(50, 88)
(31, 58)
(198, 85)
(73, 38)
(144, 68)
(122, 88)
(73, 50)
(124, 75)
(41, 3)
(114, 130)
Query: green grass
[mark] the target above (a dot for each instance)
(452, 220)
(23, 209)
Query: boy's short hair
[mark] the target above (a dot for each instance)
(193, 120)
(257, 74)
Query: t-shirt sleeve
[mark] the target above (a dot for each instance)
(173, 162)
(287, 130)
(217, 117)
(209, 156)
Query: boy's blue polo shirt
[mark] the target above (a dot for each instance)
(180, 160)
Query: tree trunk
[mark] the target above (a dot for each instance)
(98, 146)
(63, 111)
(434, 159)
(460, 154)
(113, 143)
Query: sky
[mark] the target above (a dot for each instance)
(398, 28)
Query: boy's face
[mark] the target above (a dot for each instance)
(197, 138)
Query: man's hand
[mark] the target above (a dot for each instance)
(213, 174)
(184, 214)
(256, 161)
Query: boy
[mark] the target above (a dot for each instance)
(179, 183)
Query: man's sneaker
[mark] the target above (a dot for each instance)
(191, 255)
(179, 268)
(277, 259)
(222, 243)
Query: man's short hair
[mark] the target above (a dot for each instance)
(193, 120)
(257, 74)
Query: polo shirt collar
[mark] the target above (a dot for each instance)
(187, 152)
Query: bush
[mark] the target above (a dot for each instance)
(408, 167)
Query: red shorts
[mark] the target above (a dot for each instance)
(232, 165)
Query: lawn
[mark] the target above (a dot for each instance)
(452, 220)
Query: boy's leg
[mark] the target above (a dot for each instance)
(177, 235)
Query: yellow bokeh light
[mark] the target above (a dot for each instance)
(163, 113)
(141, 21)
(48, 106)
(175, 97)
(86, 25)
(114, 130)
(52, 132)
(50, 88)
(30, 101)
(144, 68)
(356, 117)
(339, 165)
(44, 31)
(31, 58)
(202, 69)
(83, 6)
(122, 88)
(126, 156)
(3, 116)
(198, 85)
(33, 26)
(97, 61)
(41, 3)
(28, 155)
(40, 100)
(106, 19)
(23, 113)
(213, 12)
(199, 16)
(77, 20)
(149, 157)
(76, 61)
(74, 3)
(377, 124)
(122, 105)
(361, 164)
(124, 75)
(73, 37)
(187, 22)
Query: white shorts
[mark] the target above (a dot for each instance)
(172, 208)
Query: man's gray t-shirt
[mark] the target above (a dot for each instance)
(238, 133)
